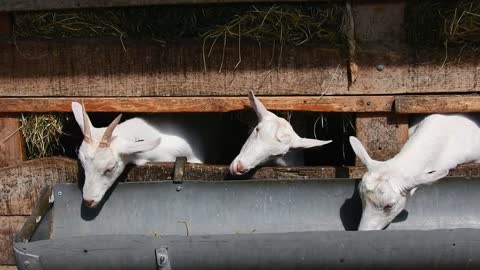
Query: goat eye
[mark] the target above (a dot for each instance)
(257, 129)
(108, 171)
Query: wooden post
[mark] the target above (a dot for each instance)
(379, 26)
(11, 142)
(383, 135)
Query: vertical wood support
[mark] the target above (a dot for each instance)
(383, 135)
(11, 142)
(379, 25)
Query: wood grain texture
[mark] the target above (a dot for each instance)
(390, 72)
(437, 104)
(383, 135)
(8, 227)
(8, 267)
(204, 172)
(463, 170)
(103, 68)
(12, 151)
(20, 185)
(201, 104)
(379, 21)
(20, 5)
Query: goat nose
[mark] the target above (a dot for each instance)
(241, 168)
(88, 203)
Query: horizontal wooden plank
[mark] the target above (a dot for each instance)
(403, 104)
(8, 227)
(20, 185)
(386, 71)
(201, 104)
(104, 68)
(8, 267)
(20, 5)
(101, 67)
(205, 172)
(437, 104)
(464, 170)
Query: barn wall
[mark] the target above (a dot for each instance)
(107, 74)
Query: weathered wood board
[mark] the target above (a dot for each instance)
(8, 267)
(403, 72)
(104, 68)
(20, 185)
(11, 141)
(201, 104)
(9, 225)
(464, 170)
(379, 22)
(383, 135)
(402, 104)
(437, 104)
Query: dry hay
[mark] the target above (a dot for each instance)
(42, 133)
(443, 23)
(292, 24)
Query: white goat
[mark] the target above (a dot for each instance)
(437, 144)
(272, 138)
(105, 152)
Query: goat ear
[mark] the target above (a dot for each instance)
(284, 134)
(362, 153)
(82, 120)
(258, 107)
(424, 179)
(128, 147)
(308, 143)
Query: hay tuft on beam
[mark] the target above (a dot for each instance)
(42, 133)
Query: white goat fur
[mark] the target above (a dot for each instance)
(437, 144)
(135, 141)
(272, 138)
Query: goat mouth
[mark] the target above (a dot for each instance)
(235, 172)
(91, 206)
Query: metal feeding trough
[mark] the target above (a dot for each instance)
(302, 224)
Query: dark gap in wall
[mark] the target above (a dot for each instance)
(230, 131)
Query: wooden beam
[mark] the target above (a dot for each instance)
(22, 5)
(8, 227)
(379, 22)
(11, 140)
(383, 135)
(397, 104)
(201, 104)
(12, 149)
(20, 185)
(437, 104)
(101, 68)
(400, 71)
(464, 170)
